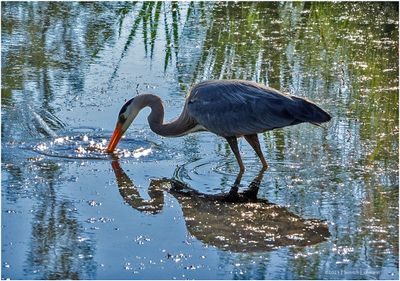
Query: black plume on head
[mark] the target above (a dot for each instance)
(125, 106)
(121, 117)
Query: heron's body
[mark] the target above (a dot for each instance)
(228, 108)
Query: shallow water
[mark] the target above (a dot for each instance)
(160, 208)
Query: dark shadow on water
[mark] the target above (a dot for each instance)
(234, 221)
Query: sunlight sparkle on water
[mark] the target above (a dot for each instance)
(41, 147)
(84, 146)
(137, 153)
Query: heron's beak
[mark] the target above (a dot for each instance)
(116, 136)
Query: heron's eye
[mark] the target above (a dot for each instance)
(121, 118)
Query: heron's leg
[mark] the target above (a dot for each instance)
(235, 187)
(234, 146)
(254, 186)
(253, 141)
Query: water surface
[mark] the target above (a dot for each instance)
(327, 207)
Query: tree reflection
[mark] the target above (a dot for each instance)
(148, 18)
(46, 46)
(59, 248)
(57, 40)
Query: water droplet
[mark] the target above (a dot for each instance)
(190, 267)
(41, 147)
(93, 203)
(128, 266)
(80, 150)
(82, 239)
(141, 239)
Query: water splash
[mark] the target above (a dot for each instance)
(91, 148)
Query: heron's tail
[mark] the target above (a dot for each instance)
(307, 111)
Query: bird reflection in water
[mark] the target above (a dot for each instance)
(234, 221)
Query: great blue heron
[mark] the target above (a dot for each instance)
(228, 108)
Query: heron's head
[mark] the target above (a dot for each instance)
(126, 115)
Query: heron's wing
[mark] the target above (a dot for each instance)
(236, 107)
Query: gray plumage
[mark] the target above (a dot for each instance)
(237, 108)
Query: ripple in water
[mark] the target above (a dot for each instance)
(217, 174)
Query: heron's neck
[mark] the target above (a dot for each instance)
(180, 126)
